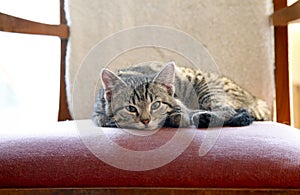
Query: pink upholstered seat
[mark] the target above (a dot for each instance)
(263, 155)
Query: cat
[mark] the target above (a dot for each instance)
(147, 97)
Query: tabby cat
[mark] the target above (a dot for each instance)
(151, 96)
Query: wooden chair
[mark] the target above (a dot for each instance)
(281, 17)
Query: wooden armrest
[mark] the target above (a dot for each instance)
(14, 24)
(289, 14)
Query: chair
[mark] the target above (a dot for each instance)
(58, 163)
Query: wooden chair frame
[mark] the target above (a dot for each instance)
(18, 25)
(280, 18)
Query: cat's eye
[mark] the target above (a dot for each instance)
(155, 105)
(131, 109)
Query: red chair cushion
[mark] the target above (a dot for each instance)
(263, 155)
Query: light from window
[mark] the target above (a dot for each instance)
(29, 68)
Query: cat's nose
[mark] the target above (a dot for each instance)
(145, 121)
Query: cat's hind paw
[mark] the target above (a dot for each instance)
(242, 118)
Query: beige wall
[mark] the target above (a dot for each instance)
(237, 33)
(294, 49)
(294, 62)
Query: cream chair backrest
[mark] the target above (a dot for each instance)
(237, 34)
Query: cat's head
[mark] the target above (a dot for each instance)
(140, 102)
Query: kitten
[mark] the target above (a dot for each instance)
(150, 96)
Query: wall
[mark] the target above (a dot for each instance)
(294, 61)
(237, 34)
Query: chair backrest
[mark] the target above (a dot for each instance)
(237, 34)
(112, 17)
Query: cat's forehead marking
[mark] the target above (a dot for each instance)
(142, 93)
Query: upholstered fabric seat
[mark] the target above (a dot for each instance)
(263, 155)
(235, 39)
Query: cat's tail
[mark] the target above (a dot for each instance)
(260, 110)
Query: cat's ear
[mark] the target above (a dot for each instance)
(110, 82)
(166, 77)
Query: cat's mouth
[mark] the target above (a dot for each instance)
(152, 125)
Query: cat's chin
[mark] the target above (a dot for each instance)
(142, 132)
(148, 128)
(152, 126)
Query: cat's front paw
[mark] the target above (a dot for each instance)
(177, 120)
(102, 121)
(207, 119)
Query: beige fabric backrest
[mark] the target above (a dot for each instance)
(237, 34)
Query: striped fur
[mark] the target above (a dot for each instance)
(154, 95)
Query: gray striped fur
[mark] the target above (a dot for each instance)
(150, 96)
